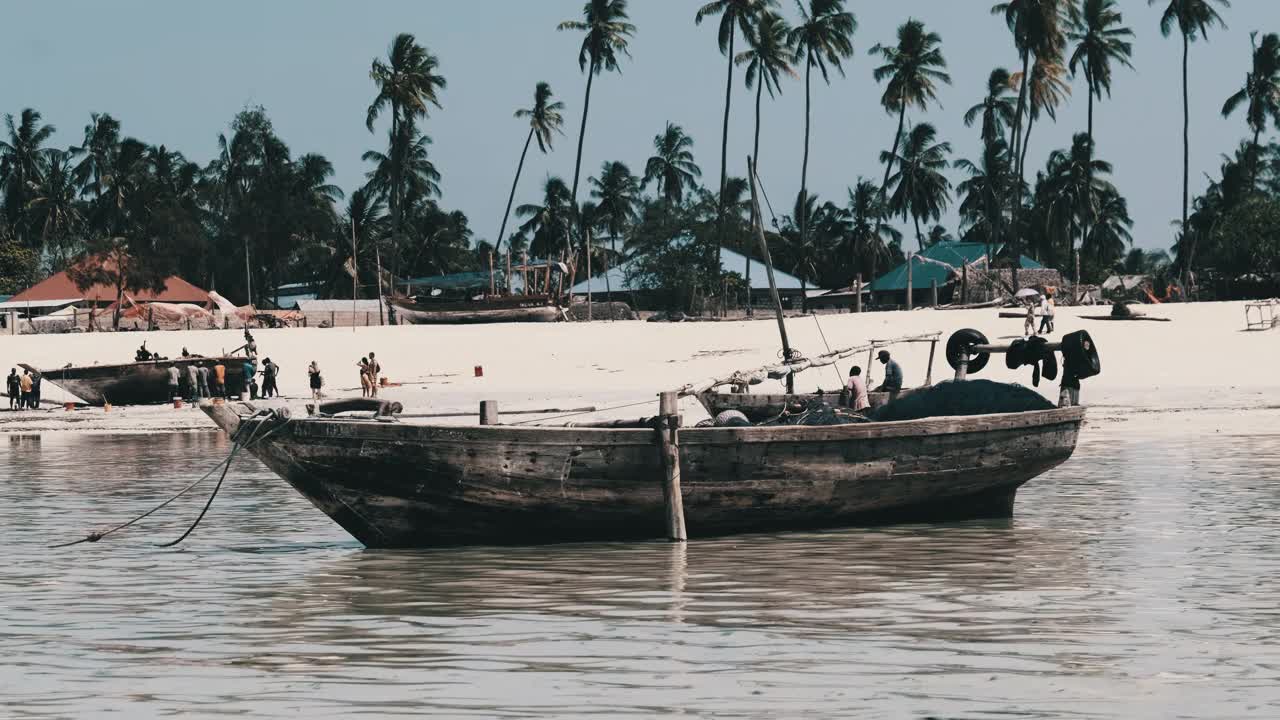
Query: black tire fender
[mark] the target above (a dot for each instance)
(1080, 355)
(959, 343)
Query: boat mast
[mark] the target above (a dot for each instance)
(768, 265)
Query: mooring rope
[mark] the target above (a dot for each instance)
(224, 465)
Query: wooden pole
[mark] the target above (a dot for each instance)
(377, 259)
(962, 367)
(857, 294)
(768, 266)
(911, 290)
(508, 281)
(493, 290)
(933, 346)
(871, 357)
(1079, 296)
(524, 271)
(355, 283)
(488, 412)
(933, 287)
(588, 276)
(669, 436)
(964, 284)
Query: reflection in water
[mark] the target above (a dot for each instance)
(1140, 579)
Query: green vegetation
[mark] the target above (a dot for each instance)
(259, 215)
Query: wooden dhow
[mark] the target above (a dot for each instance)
(513, 308)
(142, 382)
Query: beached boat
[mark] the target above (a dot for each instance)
(392, 483)
(497, 309)
(136, 383)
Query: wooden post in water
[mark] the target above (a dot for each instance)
(857, 293)
(768, 266)
(669, 436)
(488, 412)
(933, 287)
(910, 287)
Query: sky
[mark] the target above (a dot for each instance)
(175, 73)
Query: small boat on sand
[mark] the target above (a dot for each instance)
(143, 382)
(497, 309)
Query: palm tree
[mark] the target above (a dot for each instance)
(101, 138)
(734, 15)
(22, 156)
(920, 190)
(869, 239)
(616, 192)
(54, 208)
(913, 68)
(1261, 90)
(408, 83)
(996, 108)
(1192, 18)
(1045, 92)
(1036, 26)
(1074, 179)
(767, 61)
(605, 27)
(548, 223)
(985, 194)
(407, 164)
(939, 234)
(824, 36)
(1106, 240)
(671, 167)
(1100, 38)
(544, 121)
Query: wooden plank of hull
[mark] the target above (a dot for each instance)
(139, 383)
(545, 313)
(763, 406)
(395, 485)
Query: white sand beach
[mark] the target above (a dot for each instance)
(1203, 361)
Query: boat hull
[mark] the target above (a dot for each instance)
(475, 313)
(138, 383)
(399, 485)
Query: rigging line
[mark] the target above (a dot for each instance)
(589, 412)
(834, 366)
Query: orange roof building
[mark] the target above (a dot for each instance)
(60, 287)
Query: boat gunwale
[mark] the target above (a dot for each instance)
(361, 429)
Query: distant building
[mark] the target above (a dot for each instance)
(943, 263)
(58, 292)
(791, 290)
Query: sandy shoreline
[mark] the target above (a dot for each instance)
(1202, 362)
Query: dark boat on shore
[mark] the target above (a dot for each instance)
(395, 484)
(497, 309)
(143, 382)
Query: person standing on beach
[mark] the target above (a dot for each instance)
(892, 376)
(35, 390)
(14, 387)
(270, 371)
(363, 365)
(375, 371)
(193, 382)
(202, 380)
(173, 380)
(317, 382)
(1029, 326)
(220, 379)
(24, 390)
(1046, 315)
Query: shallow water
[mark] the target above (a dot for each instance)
(1139, 580)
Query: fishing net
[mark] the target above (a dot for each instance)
(817, 411)
(966, 397)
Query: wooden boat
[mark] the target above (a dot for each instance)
(396, 484)
(497, 309)
(136, 383)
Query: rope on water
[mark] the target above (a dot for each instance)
(224, 465)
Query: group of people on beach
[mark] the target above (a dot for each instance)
(23, 390)
(370, 377)
(1046, 307)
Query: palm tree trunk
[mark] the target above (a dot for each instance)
(392, 153)
(804, 166)
(502, 233)
(1026, 143)
(1088, 173)
(1186, 160)
(1015, 130)
(755, 159)
(724, 154)
(888, 168)
(1253, 161)
(919, 238)
(577, 165)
